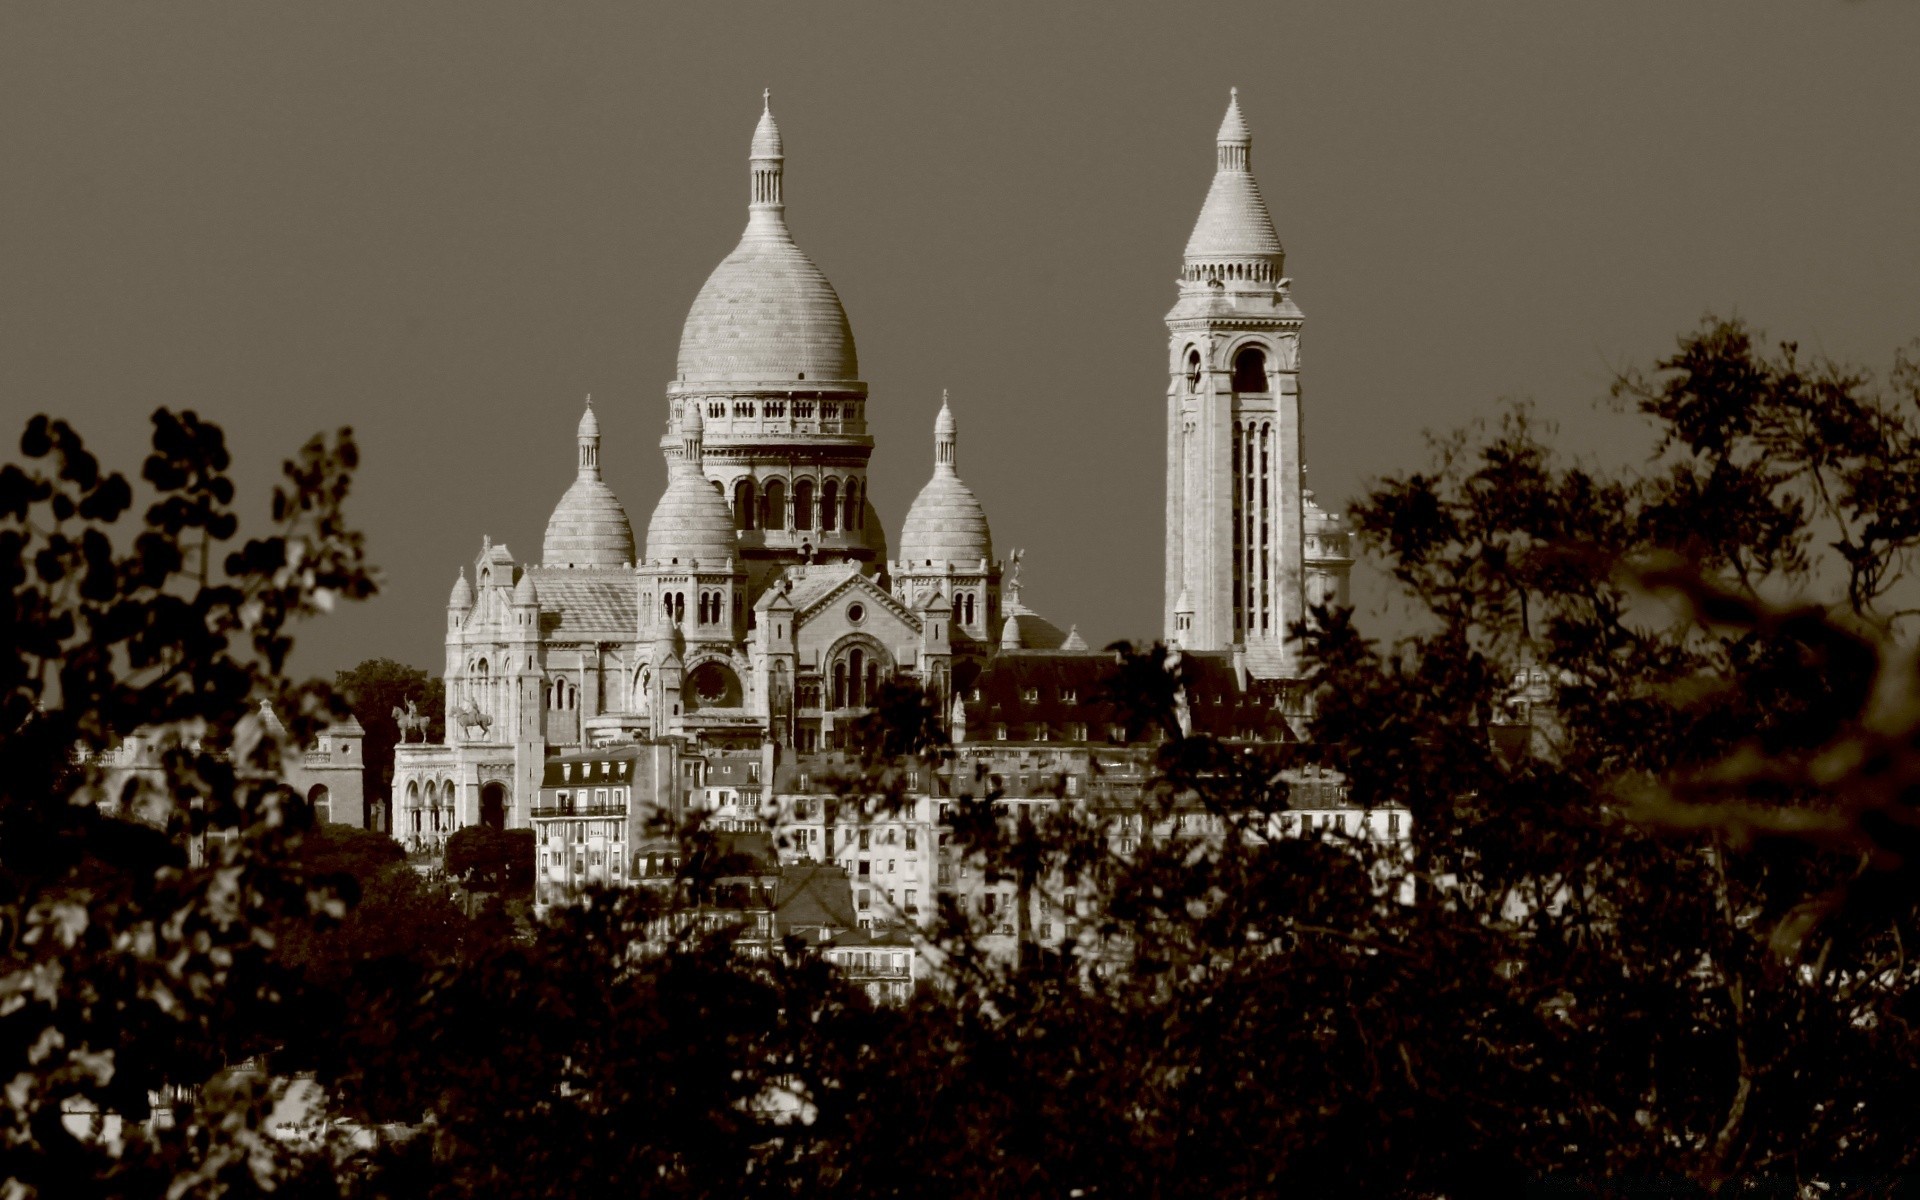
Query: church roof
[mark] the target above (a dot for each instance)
(766, 313)
(818, 582)
(946, 522)
(587, 605)
(1234, 221)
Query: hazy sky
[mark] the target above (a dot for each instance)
(444, 224)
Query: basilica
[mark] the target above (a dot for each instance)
(764, 604)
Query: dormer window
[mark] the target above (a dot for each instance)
(1030, 695)
(1069, 696)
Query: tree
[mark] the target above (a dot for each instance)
(137, 956)
(486, 859)
(375, 690)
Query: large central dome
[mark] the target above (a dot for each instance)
(767, 314)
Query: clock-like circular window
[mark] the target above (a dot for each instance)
(856, 613)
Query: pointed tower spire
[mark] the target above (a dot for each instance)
(693, 428)
(589, 439)
(766, 158)
(946, 439)
(1235, 230)
(1235, 140)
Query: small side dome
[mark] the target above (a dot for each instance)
(946, 522)
(692, 521)
(524, 592)
(589, 527)
(462, 597)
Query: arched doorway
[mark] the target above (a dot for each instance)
(493, 806)
(322, 804)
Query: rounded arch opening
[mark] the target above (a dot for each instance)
(493, 806)
(744, 503)
(773, 505)
(1250, 370)
(803, 504)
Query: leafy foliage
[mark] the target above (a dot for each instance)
(137, 958)
(492, 860)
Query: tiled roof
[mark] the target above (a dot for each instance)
(1028, 688)
(587, 605)
(818, 581)
(812, 895)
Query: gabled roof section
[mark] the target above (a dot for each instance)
(814, 896)
(851, 581)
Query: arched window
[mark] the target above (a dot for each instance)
(966, 608)
(1193, 370)
(829, 505)
(803, 504)
(856, 663)
(743, 504)
(1250, 370)
(839, 685)
(851, 518)
(773, 505)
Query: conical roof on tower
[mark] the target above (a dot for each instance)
(766, 314)
(1234, 222)
(946, 523)
(589, 527)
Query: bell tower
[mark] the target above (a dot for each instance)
(1235, 570)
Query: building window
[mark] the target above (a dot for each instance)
(803, 504)
(913, 837)
(829, 505)
(866, 838)
(999, 733)
(866, 899)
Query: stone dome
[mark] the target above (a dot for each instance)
(462, 595)
(946, 522)
(692, 521)
(1234, 221)
(589, 527)
(766, 314)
